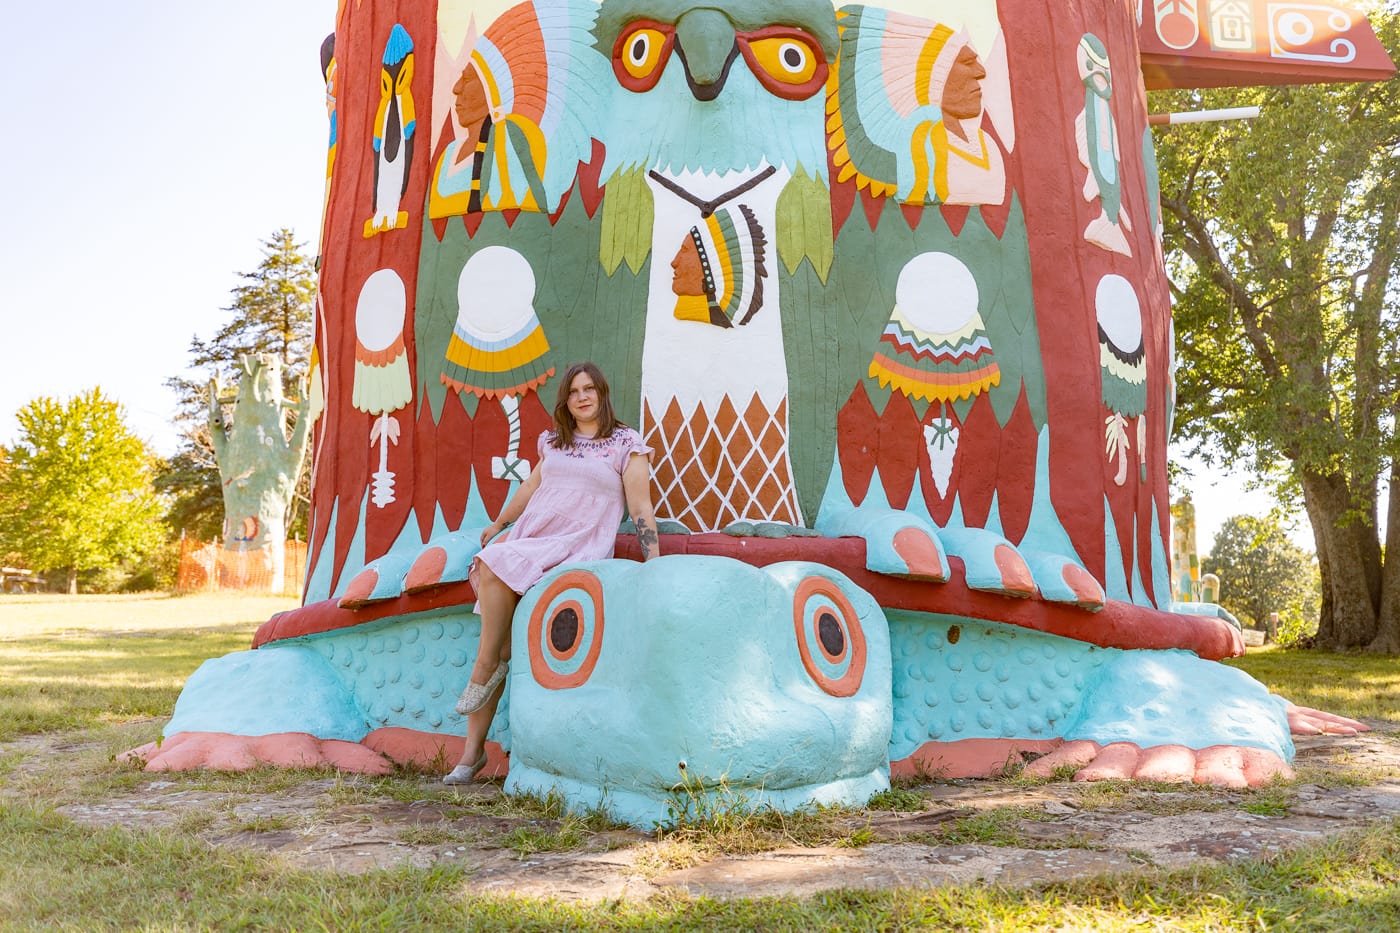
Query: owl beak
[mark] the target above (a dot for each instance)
(705, 43)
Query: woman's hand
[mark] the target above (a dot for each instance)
(514, 508)
(491, 531)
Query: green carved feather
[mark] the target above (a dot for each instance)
(1120, 395)
(804, 224)
(628, 211)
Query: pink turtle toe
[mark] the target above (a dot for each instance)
(1303, 720)
(217, 751)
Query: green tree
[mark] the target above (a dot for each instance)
(190, 480)
(1262, 571)
(1282, 243)
(9, 557)
(272, 313)
(76, 493)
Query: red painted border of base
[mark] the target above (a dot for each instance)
(966, 758)
(432, 751)
(1117, 625)
(327, 616)
(1223, 765)
(221, 751)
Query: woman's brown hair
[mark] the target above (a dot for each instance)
(564, 424)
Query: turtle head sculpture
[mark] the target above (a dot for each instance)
(635, 683)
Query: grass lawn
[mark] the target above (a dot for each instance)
(98, 669)
(1363, 686)
(68, 662)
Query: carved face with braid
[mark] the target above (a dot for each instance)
(472, 109)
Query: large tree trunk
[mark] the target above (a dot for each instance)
(72, 581)
(1326, 621)
(1387, 640)
(1345, 577)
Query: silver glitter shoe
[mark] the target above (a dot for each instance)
(465, 774)
(475, 696)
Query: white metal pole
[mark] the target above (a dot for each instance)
(1202, 116)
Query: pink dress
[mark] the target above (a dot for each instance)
(573, 515)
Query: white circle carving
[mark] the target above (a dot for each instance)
(936, 293)
(381, 310)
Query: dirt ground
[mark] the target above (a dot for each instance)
(1057, 831)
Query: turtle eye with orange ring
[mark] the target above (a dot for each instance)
(830, 638)
(788, 62)
(566, 631)
(641, 52)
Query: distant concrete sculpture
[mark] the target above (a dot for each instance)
(1193, 594)
(259, 463)
(1210, 588)
(1186, 562)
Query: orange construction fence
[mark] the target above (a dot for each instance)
(206, 567)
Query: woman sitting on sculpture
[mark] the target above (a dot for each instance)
(568, 510)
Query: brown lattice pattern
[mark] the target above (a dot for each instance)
(711, 471)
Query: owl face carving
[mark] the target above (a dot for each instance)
(719, 77)
(787, 44)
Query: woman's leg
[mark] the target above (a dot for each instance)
(479, 723)
(496, 603)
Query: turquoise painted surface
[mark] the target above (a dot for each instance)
(407, 672)
(988, 680)
(699, 663)
(318, 571)
(1174, 698)
(290, 689)
(956, 679)
(702, 660)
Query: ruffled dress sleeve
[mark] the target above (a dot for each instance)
(631, 443)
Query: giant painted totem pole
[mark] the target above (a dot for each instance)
(883, 287)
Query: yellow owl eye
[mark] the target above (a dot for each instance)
(643, 50)
(788, 62)
(641, 53)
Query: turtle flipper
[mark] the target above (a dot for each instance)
(897, 543)
(444, 559)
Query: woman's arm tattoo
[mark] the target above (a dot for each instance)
(648, 539)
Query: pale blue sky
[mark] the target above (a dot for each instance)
(152, 145)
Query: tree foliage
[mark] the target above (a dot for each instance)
(76, 491)
(192, 483)
(1262, 571)
(272, 313)
(1282, 243)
